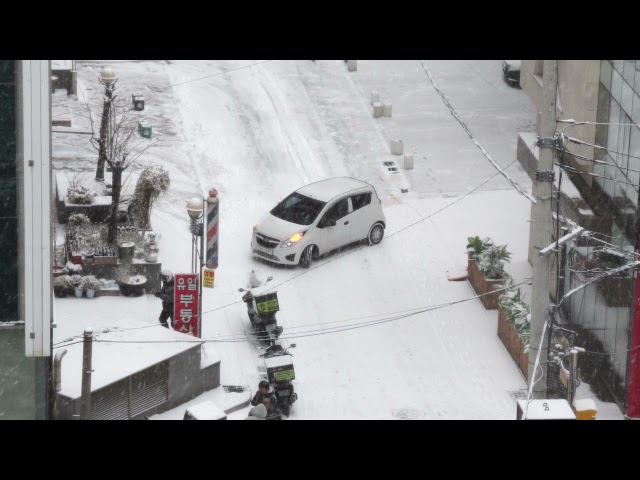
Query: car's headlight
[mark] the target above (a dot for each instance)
(255, 227)
(293, 239)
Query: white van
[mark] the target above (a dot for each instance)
(318, 218)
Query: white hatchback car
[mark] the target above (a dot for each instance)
(318, 218)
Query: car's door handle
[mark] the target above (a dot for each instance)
(347, 222)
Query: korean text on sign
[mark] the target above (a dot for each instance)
(186, 302)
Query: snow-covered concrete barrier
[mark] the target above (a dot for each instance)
(375, 97)
(352, 65)
(387, 109)
(396, 147)
(408, 161)
(377, 110)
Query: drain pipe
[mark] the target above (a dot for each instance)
(57, 380)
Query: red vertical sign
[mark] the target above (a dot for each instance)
(633, 394)
(186, 303)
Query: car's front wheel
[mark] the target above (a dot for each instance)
(307, 257)
(375, 234)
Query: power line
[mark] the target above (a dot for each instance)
(600, 147)
(388, 236)
(580, 172)
(473, 139)
(216, 74)
(329, 330)
(499, 89)
(182, 83)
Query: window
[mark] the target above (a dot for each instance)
(336, 212)
(298, 209)
(360, 200)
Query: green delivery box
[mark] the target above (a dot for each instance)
(280, 368)
(267, 303)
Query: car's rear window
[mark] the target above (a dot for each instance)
(298, 209)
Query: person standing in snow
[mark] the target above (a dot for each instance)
(166, 295)
(264, 390)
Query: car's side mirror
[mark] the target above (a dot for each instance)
(241, 289)
(331, 223)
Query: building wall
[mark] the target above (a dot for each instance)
(578, 88)
(605, 92)
(23, 381)
(17, 373)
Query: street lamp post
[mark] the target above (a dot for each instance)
(195, 208)
(108, 78)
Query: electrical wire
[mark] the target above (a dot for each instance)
(182, 83)
(388, 236)
(500, 90)
(600, 147)
(445, 99)
(580, 172)
(325, 331)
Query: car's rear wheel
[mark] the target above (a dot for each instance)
(375, 234)
(307, 257)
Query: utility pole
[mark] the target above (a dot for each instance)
(542, 220)
(85, 399)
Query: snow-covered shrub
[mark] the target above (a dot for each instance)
(61, 285)
(74, 281)
(477, 245)
(72, 268)
(77, 192)
(90, 283)
(80, 196)
(78, 219)
(153, 181)
(491, 261)
(517, 312)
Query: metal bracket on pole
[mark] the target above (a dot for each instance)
(569, 236)
(549, 142)
(545, 175)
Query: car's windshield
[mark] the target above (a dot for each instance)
(298, 209)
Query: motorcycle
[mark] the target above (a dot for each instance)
(278, 363)
(262, 308)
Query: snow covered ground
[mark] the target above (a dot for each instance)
(258, 132)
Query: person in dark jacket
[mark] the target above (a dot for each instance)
(272, 408)
(264, 390)
(166, 295)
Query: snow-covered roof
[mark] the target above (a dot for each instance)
(114, 361)
(329, 188)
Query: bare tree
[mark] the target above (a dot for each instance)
(123, 148)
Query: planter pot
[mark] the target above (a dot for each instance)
(152, 257)
(483, 286)
(125, 251)
(77, 291)
(510, 339)
(134, 286)
(60, 292)
(90, 293)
